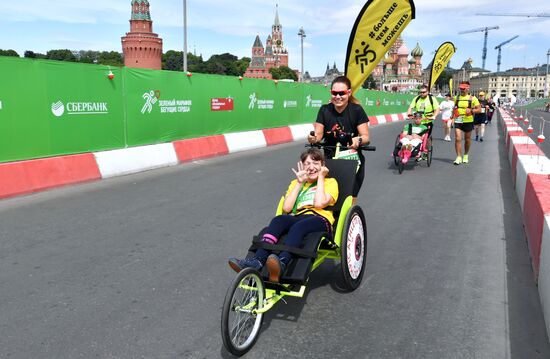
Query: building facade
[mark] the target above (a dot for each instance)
(397, 72)
(330, 74)
(274, 54)
(518, 82)
(141, 47)
(466, 73)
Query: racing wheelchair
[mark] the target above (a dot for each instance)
(250, 295)
(424, 150)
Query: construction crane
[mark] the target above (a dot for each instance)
(486, 31)
(499, 47)
(541, 14)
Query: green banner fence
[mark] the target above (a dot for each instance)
(50, 108)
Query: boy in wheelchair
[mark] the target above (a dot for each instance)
(304, 206)
(411, 139)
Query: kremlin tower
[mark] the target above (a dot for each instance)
(273, 55)
(141, 47)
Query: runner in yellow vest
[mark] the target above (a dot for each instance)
(426, 104)
(466, 106)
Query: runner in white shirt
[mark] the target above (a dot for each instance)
(446, 108)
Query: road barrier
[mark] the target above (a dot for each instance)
(24, 177)
(531, 176)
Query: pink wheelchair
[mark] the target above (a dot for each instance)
(420, 152)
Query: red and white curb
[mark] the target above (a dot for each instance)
(23, 177)
(531, 176)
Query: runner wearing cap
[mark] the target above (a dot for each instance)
(480, 119)
(466, 106)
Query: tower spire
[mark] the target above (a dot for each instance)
(140, 10)
(277, 22)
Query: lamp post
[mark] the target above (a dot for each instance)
(546, 77)
(302, 34)
(537, 83)
(184, 35)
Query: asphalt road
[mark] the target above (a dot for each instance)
(135, 267)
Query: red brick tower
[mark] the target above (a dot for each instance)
(141, 47)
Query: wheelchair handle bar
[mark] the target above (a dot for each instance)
(322, 145)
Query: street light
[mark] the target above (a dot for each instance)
(537, 83)
(184, 35)
(302, 34)
(546, 78)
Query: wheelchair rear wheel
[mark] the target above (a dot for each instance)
(240, 321)
(354, 248)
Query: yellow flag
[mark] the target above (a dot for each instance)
(377, 27)
(441, 59)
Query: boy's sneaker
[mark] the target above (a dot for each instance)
(275, 268)
(465, 159)
(239, 264)
(458, 160)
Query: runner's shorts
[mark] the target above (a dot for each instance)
(480, 119)
(465, 127)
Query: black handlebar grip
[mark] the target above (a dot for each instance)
(312, 133)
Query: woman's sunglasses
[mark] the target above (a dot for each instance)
(339, 93)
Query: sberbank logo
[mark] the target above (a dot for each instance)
(58, 108)
(79, 108)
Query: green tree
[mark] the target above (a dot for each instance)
(172, 61)
(34, 55)
(88, 56)
(61, 55)
(223, 64)
(9, 53)
(283, 72)
(110, 58)
(242, 65)
(195, 63)
(369, 83)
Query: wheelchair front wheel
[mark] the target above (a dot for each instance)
(240, 321)
(354, 248)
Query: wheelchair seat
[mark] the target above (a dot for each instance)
(297, 271)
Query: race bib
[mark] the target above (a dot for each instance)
(459, 119)
(350, 154)
(307, 198)
(483, 110)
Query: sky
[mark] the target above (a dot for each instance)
(219, 26)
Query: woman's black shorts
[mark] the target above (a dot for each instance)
(465, 127)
